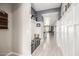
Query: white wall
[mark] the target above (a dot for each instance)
(21, 42)
(6, 34)
(17, 28)
(67, 31)
(33, 25)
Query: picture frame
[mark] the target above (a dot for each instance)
(38, 25)
(3, 20)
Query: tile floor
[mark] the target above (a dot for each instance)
(48, 48)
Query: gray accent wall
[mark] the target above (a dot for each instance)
(37, 17)
(48, 11)
(38, 14)
(33, 12)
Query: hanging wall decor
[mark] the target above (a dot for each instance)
(67, 6)
(3, 20)
(38, 25)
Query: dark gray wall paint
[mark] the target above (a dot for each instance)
(36, 17)
(39, 16)
(59, 14)
(33, 12)
(48, 11)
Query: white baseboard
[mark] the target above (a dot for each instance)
(9, 53)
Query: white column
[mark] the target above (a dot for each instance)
(21, 42)
(26, 13)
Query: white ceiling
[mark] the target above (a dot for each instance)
(44, 6)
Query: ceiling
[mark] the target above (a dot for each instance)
(45, 6)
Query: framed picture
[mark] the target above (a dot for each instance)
(38, 25)
(3, 20)
(67, 6)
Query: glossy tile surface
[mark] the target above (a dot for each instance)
(48, 48)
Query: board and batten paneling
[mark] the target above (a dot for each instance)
(67, 31)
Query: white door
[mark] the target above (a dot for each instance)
(77, 41)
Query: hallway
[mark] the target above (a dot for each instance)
(48, 48)
(46, 15)
(44, 29)
(64, 21)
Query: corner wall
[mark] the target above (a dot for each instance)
(21, 42)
